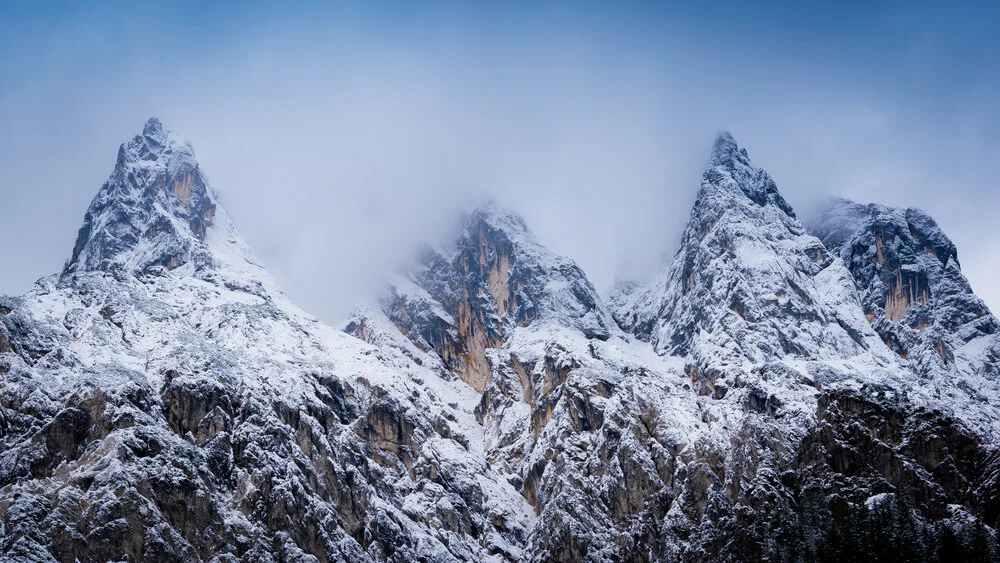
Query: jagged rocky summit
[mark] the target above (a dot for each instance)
(162, 400)
(749, 284)
(912, 287)
(152, 211)
(777, 392)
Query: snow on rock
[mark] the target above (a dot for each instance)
(627, 450)
(497, 277)
(153, 210)
(748, 284)
(915, 296)
(790, 375)
(161, 399)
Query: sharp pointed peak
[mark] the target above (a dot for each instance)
(488, 205)
(154, 210)
(156, 147)
(726, 151)
(724, 139)
(153, 127)
(731, 171)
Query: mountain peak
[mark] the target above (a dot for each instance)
(153, 211)
(497, 279)
(153, 127)
(730, 170)
(493, 217)
(748, 282)
(911, 284)
(724, 149)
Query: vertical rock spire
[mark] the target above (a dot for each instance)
(153, 211)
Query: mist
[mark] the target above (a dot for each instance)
(342, 138)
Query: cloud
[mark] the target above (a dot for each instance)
(339, 143)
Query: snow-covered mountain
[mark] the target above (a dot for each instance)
(913, 291)
(762, 386)
(496, 278)
(161, 399)
(749, 284)
(153, 210)
(774, 393)
(753, 300)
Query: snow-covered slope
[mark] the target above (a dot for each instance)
(163, 400)
(914, 293)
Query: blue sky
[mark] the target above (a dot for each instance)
(340, 133)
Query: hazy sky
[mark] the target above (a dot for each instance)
(340, 136)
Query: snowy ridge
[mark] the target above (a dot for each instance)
(163, 400)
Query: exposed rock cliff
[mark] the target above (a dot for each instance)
(495, 278)
(909, 278)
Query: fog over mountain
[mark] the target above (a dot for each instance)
(778, 390)
(499, 282)
(339, 137)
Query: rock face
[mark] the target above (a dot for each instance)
(912, 288)
(462, 302)
(152, 212)
(162, 400)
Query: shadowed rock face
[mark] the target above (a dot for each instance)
(129, 488)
